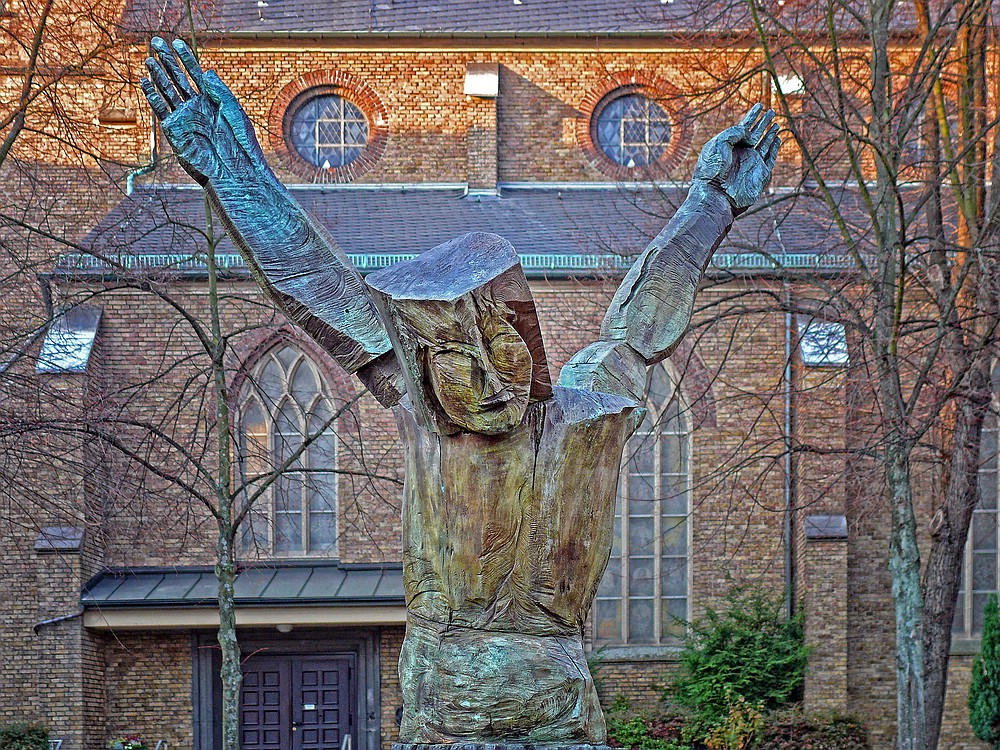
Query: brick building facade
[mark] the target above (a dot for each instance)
(423, 124)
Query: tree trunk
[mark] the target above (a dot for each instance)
(225, 559)
(232, 673)
(948, 545)
(904, 564)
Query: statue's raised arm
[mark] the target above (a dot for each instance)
(292, 257)
(652, 308)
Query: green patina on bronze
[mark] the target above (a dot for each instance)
(510, 483)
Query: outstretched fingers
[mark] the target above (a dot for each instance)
(745, 127)
(771, 155)
(758, 131)
(190, 63)
(769, 136)
(173, 69)
(159, 105)
(164, 86)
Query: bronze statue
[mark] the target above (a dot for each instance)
(510, 482)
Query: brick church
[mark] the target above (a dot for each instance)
(568, 128)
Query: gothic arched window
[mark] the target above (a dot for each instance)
(643, 598)
(982, 563)
(285, 405)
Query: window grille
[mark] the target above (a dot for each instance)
(632, 130)
(286, 405)
(643, 597)
(979, 570)
(329, 131)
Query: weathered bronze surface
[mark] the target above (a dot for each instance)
(510, 482)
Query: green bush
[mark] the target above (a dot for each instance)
(632, 730)
(23, 736)
(744, 728)
(739, 729)
(748, 651)
(984, 691)
(795, 731)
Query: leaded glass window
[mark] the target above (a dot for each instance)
(632, 130)
(288, 457)
(643, 598)
(329, 131)
(979, 571)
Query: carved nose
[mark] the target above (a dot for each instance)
(499, 397)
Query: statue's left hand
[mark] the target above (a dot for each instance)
(739, 160)
(208, 129)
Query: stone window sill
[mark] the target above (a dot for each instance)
(636, 653)
(962, 646)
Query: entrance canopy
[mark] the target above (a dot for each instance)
(299, 593)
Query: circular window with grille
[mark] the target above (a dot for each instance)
(329, 131)
(632, 130)
(328, 126)
(633, 127)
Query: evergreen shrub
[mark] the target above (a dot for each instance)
(746, 653)
(23, 736)
(984, 691)
(744, 728)
(628, 729)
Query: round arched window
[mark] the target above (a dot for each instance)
(328, 126)
(632, 129)
(329, 131)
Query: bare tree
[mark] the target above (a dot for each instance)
(893, 114)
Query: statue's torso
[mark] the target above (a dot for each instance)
(512, 532)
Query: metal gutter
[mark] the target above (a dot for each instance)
(596, 37)
(402, 187)
(79, 266)
(605, 186)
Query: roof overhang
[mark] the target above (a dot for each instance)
(560, 230)
(284, 593)
(187, 618)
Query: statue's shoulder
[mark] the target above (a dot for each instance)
(566, 406)
(575, 405)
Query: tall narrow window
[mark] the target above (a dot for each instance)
(979, 571)
(288, 457)
(643, 598)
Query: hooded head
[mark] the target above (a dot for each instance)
(465, 330)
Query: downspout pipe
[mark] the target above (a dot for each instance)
(154, 149)
(62, 618)
(789, 464)
(143, 170)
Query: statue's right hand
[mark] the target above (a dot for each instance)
(200, 117)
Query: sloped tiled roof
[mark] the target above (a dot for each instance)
(536, 18)
(419, 17)
(303, 583)
(554, 229)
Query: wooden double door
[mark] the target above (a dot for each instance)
(293, 702)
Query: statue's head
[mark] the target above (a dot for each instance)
(465, 330)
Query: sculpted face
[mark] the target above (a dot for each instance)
(481, 377)
(465, 330)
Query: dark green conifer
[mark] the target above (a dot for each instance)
(984, 692)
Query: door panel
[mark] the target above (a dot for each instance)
(264, 720)
(323, 701)
(297, 703)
